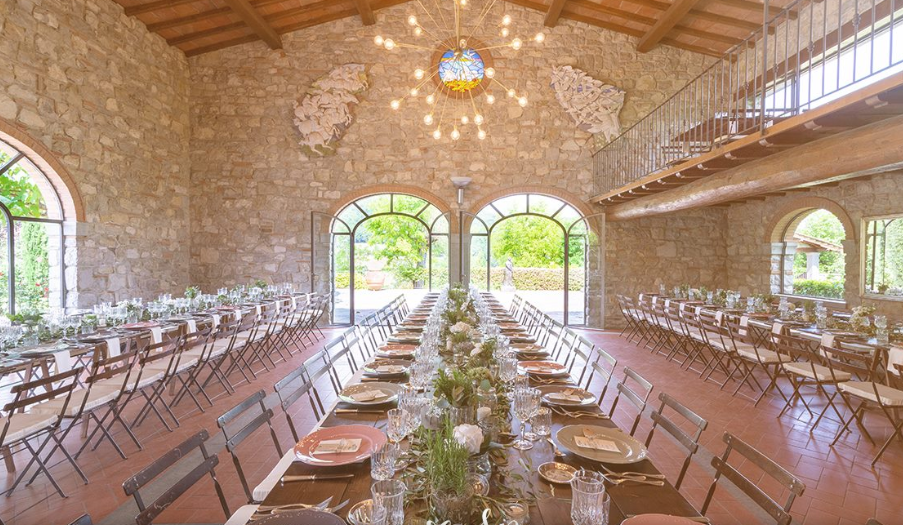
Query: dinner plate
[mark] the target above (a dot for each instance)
(586, 398)
(629, 449)
(371, 439)
(543, 368)
(390, 390)
(370, 370)
(304, 516)
(396, 350)
(657, 519)
(143, 325)
(404, 340)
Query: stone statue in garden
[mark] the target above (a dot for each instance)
(508, 281)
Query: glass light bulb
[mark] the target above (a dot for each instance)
(506, 20)
(418, 74)
(489, 72)
(465, 120)
(481, 135)
(412, 20)
(462, 3)
(455, 134)
(540, 37)
(431, 99)
(512, 93)
(437, 134)
(418, 31)
(517, 43)
(478, 119)
(505, 32)
(395, 104)
(378, 40)
(490, 99)
(415, 92)
(390, 44)
(522, 101)
(428, 119)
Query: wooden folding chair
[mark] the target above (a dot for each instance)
(239, 423)
(183, 453)
(788, 482)
(636, 398)
(290, 389)
(689, 442)
(604, 366)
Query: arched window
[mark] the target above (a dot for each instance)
(545, 240)
(31, 233)
(884, 256)
(813, 261)
(383, 245)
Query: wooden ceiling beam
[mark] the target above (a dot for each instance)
(554, 12)
(666, 22)
(256, 22)
(184, 39)
(637, 33)
(701, 15)
(154, 6)
(222, 45)
(366, 12)
(344, 13)
(204, 15)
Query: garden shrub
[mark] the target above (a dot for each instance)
(816, 288)
(531, 278)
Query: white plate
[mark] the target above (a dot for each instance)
(586, 398)
(629, 449)
(390, 389)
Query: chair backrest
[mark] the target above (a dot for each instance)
(26, 394)
(165, 353)
(604, 366)
(787, 481)
(317, 366)
(84, 519)
(585, 351)
(239, 423)
(860, 365)
(182, 452)
(637, 395)
(688, 441)
(290, 389)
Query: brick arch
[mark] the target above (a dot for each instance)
(792, 213)
(377, 189)
(57, 175)
(536, 189)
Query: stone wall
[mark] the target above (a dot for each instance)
(751, 263)
(641, 254)
(110, 101)
(253, 188)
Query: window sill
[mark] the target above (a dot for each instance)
(882, 297)
(837, 303)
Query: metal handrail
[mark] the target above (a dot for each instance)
(806, 55)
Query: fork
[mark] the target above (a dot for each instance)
(610, 472)
(322, 504)
(641, 481)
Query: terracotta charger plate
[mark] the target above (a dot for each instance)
(371, 439)
(656, 519)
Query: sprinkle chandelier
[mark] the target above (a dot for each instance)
(455, 86)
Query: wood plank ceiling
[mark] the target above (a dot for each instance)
(710, 27)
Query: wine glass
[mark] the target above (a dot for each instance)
(508, 371)
(589, 503)
(526, 402)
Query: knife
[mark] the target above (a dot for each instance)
(315, 477)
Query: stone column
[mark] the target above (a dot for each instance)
(782, 276)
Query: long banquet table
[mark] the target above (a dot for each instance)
(552, 506)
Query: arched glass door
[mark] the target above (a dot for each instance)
(528, 244)
(380, 246)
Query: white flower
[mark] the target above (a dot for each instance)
(476, 350)
(459, 327)
(483, 412)
(470, 437)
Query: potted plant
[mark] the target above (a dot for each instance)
(451, 490)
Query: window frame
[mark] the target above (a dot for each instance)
(865, 292)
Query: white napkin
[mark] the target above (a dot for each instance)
(294, 303)
(192, 326)
(719, 317)
(827, 340)
(216, 320)
(337, 446)
(259, 309)
(698, 310)
(390, 369)
(156, 335)
(113, 347)
(565, 395)
(63, 361)
(894, 356)
(667, 303)
(655, 300)
(368, 395)
(641, 297)
(777, 328)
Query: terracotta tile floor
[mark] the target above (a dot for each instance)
(841, 487)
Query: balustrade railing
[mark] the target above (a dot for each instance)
(807, 55)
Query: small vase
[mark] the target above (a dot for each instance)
(462, 415)
(479, 464)
(455, 508)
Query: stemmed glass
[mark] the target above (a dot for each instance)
(526, 403)
(508, 371)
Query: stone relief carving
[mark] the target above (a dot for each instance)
(324, 114)
(593, 104)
